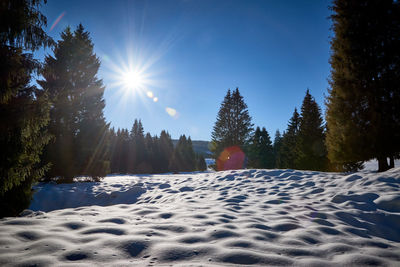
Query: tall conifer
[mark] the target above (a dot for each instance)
(363, 105)
(311, 151)
(233, 126)
(77, 122)
(289, 142)
(23, 108)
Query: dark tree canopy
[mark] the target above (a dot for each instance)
(311, 151)
(233, 126)
(23, 107)
(76, 116)
(363, 105)
(183, 158)
(260, 150)
(21, 24)
(288, 152)
(277, 149)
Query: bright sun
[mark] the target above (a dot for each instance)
(132, 80)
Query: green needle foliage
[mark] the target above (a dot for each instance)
(260, 150)
(81, 144)
(24, 109)
(363, 107)
(233, 126)
(288, 152)
(311, 151)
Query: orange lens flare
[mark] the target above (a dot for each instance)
(57, 21)
(232, 158)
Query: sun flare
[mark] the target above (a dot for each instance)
(132, 80)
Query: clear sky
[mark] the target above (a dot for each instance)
(185, 54)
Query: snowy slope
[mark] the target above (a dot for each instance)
(260, 217)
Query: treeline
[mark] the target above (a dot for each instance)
(301, 146)
(136, 152)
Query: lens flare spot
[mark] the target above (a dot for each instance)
(150, 94)
(232, 158)
(155, 99)
(57, 21)
(172, 112)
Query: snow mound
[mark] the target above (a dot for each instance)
(243, 217)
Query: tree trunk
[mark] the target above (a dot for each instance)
(391, 165)
(382, 164)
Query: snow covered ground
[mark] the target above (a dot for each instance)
(260, 217)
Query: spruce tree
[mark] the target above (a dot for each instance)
(76, 116)
(277, 149)
(311, 137)
(255, 150)
(289, 142)
(260, 150)
(364, 95)
(267, 157)
(136, 157)
(166, 149)
(23, 107)
(233, 126)
(201, 164)
(183, 157)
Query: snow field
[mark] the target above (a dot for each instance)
(259, 217)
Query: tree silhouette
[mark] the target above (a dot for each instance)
(289, 152)
(23, 107)
(364, 101)
(233, 126)
(311, 137)
(76, 115)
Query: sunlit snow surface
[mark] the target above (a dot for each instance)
(260, 217)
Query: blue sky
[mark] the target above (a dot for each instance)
(189, 52)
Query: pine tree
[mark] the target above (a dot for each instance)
(183, 157)
(310, 142)
(233, 126)
(277, 149)
(201, 164)
(125, 151)
(77, 121)
(289, 142)
(267, 157)
(23, 107)
(260, 150)
(136, 157)
(364, 96)
(255, 150)
(166, 149)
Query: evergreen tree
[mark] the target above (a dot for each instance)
(77, 120)
(277, 149)
(233, 126)
(260, 150)
(255, 150)
(201, 164)
(289, 142)
(364, 101)
(114, 150)
(136, 158)
(267, 157)
(125, 151)
(23, 108)
(148, 155)
(183, 157)
(166, 149)
(310, 142)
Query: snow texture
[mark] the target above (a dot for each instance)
(243, 217)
